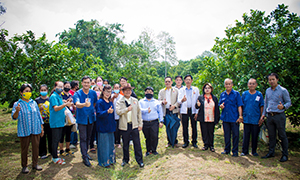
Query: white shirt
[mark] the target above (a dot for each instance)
(168, 98)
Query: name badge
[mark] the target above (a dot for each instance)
(257, 98)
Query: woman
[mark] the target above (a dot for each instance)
(57, 119)
(208, 115)
(67, 129)
(43, 103)
(30, 126)
(99, 82)
(105, 126)
(115, 97)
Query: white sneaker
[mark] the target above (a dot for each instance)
(72, 146)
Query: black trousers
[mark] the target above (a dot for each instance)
(56, 135)
(134, 133)
(150, 130)
(176, 140)
(277, 122)
(93, 136)
(185, 127)
(253, 131)
(46, 138)
(85, 133)
(66, 133)
(207, 132)
(117, 133)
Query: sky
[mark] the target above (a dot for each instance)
(194, 24)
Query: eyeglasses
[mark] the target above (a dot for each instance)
(167, 81)
(251, 83)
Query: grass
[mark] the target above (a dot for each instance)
(179, 163)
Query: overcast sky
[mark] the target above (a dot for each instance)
(194, 24)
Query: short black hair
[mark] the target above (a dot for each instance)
(98, 78)
(273, 74)
(74, 84)
(67, 82)
(106, 81)
(178, 77)
(123, 78)
(24, 86)
(149, 88)
(86, 77)
(188, 76)
(43, 85)
(168, 77)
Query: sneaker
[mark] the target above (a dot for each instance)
(58, 161)
(72, 146)
(37, 167)
(64, 154)
(254, 154)
(25, 170)
(44, 157)
(70, 153)
(243, 154)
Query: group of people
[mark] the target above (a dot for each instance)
(108, 114)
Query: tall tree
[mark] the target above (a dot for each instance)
(147, 39)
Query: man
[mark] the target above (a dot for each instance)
(253, 105)
(187, 97)
(85, 100)
(115, 97)
(168, 98)
(130, 123)
(152, 119)
(231, 105)
(123, 82)
(178, 81)
(277, 100)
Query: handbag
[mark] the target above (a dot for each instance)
(69, 120)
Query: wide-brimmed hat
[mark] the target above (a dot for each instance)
(127, 86)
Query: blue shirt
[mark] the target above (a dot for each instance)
(105, 122)
(189, 97)
(29, 119)
(251, 107)
(85, 114)
(57, 118)
(273, 99)
(156, 110)
(231, 101)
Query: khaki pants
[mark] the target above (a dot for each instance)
(35, 141)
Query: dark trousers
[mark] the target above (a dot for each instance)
(66, 133)
(56, 135)
(85, 132)
(117, 133)
(207, 132)
(46, 138)
(234, 129)
(74, 137)
(25, 141)
(277, 122)
(185, 127)
(253, 131)
(134, 133)
(150, 130)
(93, 136)
(176, 140)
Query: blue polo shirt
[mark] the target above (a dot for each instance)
(231, 102)
(85, 114)
(251, 106)
(57, 118)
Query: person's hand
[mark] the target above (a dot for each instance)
(110, 110)
(149, 110)
(280, 106)
(198, 103)
(239, 120)
(172, 107)
(64, 101)
(129, 108)
(18, 108)
(183, 99)
(195, 117)
(262, 119)
(87, 102)
(115, 95)
(222, 106)
(42, 133)
(70, 99)
(161, 125)
(165, 102)
(41, 108)
(69, 104)
(140, 128)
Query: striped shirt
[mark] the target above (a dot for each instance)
(29, 119)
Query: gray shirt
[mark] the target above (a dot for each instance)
(273, 99)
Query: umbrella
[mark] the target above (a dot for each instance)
(172, 123)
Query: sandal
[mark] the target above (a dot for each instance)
(204, 148)
(93, 151)
(212, 149)
(58, 161)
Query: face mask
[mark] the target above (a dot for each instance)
(149, 96)
(27, 95)
(77, 89)
(99, 83)
(44, 93)
(117, 91)
(67, 89)
(58, 90)
(98, 93)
